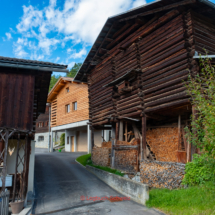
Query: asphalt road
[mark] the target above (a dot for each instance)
(60, 183)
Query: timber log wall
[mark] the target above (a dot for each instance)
(164, 53)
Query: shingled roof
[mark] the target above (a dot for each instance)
(118, 27)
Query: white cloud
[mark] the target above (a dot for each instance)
(77, 22)
(138, 3)
(8, 36)
(79, 54)
(57, 59)
(31, 18)
(70, 65)
(69, 50)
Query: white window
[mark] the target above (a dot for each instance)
(41, 138)
(74, 106)
(40, 125)
(67, 108)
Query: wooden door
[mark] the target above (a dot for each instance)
(72, 144)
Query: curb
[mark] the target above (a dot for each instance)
(80, 164)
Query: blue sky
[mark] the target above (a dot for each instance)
(59, 31)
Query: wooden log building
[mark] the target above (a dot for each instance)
(136, 71)
(24, 88)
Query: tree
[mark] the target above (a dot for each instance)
(74, 70)
(53, 81)
(71, 74)
(201, 88)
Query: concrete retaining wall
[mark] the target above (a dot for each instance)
(138, 192)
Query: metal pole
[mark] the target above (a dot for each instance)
(144, 138)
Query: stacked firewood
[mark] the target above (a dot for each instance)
(162, 174)
(127, 160)
(101, 156)
(163, 143)
(106, 144)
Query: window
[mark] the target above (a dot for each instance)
(40, 125)
(67, 108)
(67, 89)
(41, 138)
(67, 140)
(74, 106)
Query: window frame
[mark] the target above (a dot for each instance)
(66, 108)
(73, 106)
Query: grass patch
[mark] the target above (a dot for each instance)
(107, 169)
(193, 200)
(86, 160)
(83, 159)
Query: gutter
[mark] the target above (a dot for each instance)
(38, 68)
(204, 56)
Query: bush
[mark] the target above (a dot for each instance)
(200, 170)
(62, 139)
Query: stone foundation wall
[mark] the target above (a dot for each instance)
(101, 156)
(163, 143)
(162, 174)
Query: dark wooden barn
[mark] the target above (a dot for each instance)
(135, 72)
(24, 86)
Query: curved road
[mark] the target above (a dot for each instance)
(60, 183)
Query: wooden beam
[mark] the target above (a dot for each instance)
(144, 138)
(179, 131)
(195, 116)
(121, 130)
(126, 132)
(125, 147)
(92, 138)
(113, 131)
(103, 51)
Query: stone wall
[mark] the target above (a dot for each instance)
(163, 143)
(101, 156)
(162, 174)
